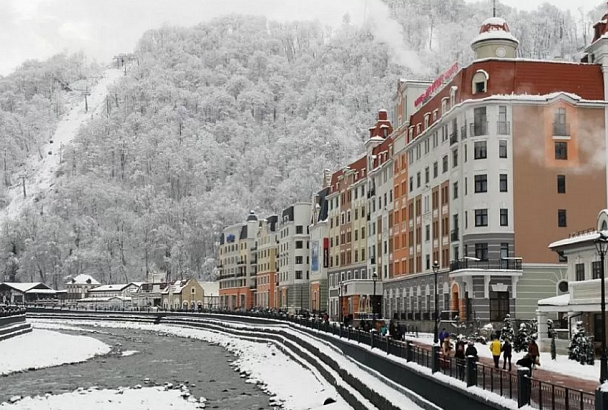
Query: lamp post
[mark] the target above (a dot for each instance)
(374, 278)
(436, 328)
(340, 302)
(601, 245)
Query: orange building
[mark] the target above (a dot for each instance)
(266, 248)
(492, 162)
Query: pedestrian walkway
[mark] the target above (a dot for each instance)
(544, 375)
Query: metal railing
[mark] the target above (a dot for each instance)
(452, 366)
(454, 138)
(454, 235)
(500, 264)
(561, 129)
(503, 127)
(479, 128)
(544, 395)
(496, 381)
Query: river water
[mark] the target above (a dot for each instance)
(161, 359)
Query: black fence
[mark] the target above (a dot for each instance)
(516, 386)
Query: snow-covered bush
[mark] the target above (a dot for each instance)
(581, 346)
(507, 330)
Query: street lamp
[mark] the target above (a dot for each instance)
(375, 278)
(601, 245)
(340, 302)
(436, 332)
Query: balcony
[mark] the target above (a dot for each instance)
(463, 131)
(561, 129)
(479, 128)
(503, 127)
(455, 235)
(240, 262)
(454, 138)
(474, 263)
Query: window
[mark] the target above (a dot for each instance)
(455, 158)
(502, 149)
(427, 233)
(561, 218)
(299, 244)
(561, 150)
(445, 164)
(561, 184)
(481, 183)
(298, 274)
(427, 175)
(503, 124)
(481, 251)
(481, 217)
(504, 217)
(480, 122)
(579, 271)
(418, 180)
(481, 150)
(299, 229)
(455, 189)
(299, 260)
(503, 183)
(499, 306)
(560, 127)
(411, 184)
(596, 268)
(435, 169)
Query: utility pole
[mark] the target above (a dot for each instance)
(493, 8)
(23, 183)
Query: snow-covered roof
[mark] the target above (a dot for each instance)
(495, 35)
(97, 300)
(561, 300)
(586, 237)
(109, 288)
(176, 287)
(494, 21)
(24, 287)
(82, 279)
(42, 291)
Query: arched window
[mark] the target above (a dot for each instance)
(480, 82)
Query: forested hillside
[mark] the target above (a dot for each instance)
(235, 114)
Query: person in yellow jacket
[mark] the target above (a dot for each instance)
(495, 348)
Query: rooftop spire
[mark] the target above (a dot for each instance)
(494, 8)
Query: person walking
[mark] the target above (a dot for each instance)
(460, 357)
(533, 352)
(471, 351)
(507, 350)
(495, 348)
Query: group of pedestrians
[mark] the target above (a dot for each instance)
(462, 349)
(530, 360)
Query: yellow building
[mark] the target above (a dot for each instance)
(183, 294)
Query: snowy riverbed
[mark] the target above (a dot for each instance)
(44, 348)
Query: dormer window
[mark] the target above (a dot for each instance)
(453, 96)
(435, 115)
(384, 132)
(426, 120)
(411, 133)
(480, 82)
(418, 129)
(444, 106)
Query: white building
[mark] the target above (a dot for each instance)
(319, 247)
(580, 298)
(79, 286)
(294, 258)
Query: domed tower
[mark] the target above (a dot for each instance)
(494, 40)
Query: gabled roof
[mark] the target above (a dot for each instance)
(575, 240)
(176, 287)
(24, 287)
(82, 279)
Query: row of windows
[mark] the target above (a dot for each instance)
(579, 271)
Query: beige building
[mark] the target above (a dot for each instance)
(79, 286)
(183, 294)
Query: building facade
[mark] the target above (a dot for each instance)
(267, 244)
(469, 137)
(79, 286)
(319, 247)
(294, 258)
(237, 267)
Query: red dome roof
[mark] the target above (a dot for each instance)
(494, 24)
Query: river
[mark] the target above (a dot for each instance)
(160, 358)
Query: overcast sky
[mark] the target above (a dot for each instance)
(40, 28)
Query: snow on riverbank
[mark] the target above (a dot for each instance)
(44, 348)
(303, 388)
(127, 399)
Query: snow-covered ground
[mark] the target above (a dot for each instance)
(40, 174)
(124, 399)
(45, 348)
(561, 365)
(295, 387)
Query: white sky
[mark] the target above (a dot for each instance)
(37, 29)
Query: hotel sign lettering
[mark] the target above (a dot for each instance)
(437, 84)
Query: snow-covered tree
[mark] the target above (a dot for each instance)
(581, 346)
(507, 331)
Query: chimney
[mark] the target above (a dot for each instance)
(382, 115)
